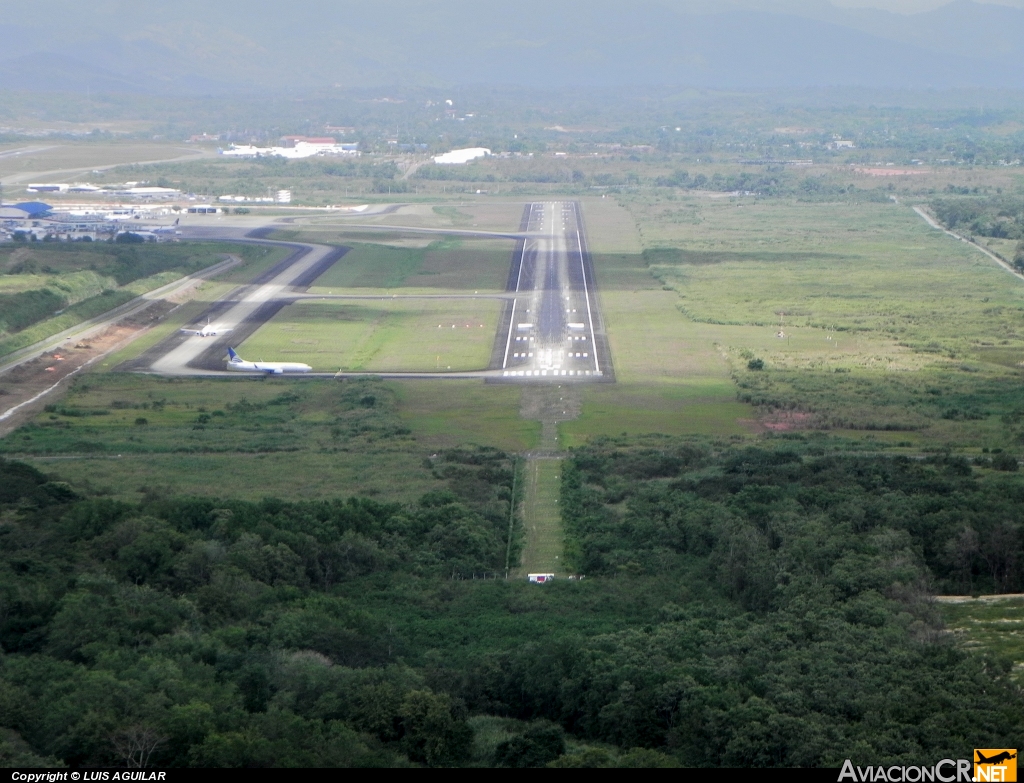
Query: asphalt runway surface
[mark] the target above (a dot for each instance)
(553, 327)
(550, 328)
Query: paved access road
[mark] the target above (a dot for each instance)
(553, 328)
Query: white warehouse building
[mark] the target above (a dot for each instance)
(458, 157)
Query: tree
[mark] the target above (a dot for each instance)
(433, 731)
(540, 744)
(135, 744)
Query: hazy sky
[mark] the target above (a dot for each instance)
(912, 6)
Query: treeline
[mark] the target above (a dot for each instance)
(768, 181)
(995, 216)
(767, 184)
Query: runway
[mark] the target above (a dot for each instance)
(552, 329)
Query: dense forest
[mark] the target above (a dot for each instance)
(741, 606)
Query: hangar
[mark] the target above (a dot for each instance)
(26, 210)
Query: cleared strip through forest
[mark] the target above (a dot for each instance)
(542, 521)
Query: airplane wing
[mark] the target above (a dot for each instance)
(191, 331)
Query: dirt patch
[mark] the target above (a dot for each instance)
(33, 384)
(785, 421)
(887, 172)
(550, 404)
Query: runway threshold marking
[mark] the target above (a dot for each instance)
(515, 301)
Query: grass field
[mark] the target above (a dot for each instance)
(888, 324)
(704, 406)
(126, 434)
(442, 265)
(381, 335)
(485, 215)
(994, 626)
(57, 156)
(542, 522)
(444, 414)
(389, 335)
(671, 376)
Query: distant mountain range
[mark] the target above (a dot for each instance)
(191, 47)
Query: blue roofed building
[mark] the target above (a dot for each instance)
(26, 210)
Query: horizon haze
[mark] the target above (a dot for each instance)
(193, 48)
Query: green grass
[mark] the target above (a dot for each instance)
(71, 155)
(542, 521)
(120, 433)
(373, 266)
(74, 286)
(702, 406)
(994, 626)
(449, 413)
(888, 324)
(384, 474)
(381, 335)
(289, 438)
(257, 258)
(445, 265)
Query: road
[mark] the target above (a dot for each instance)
(553, 327)
(931, 221)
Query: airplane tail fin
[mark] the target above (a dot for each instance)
(235, 358)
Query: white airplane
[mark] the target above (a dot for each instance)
(210, 330)
(236, 362)
(171, 229)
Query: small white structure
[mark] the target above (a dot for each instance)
(148, 192)
(300, 149)
(284, 197)
(540, 579)
(459, 157)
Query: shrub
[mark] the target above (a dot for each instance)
(1007, 462)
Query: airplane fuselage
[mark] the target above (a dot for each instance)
(238, 364)
(270, 368)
